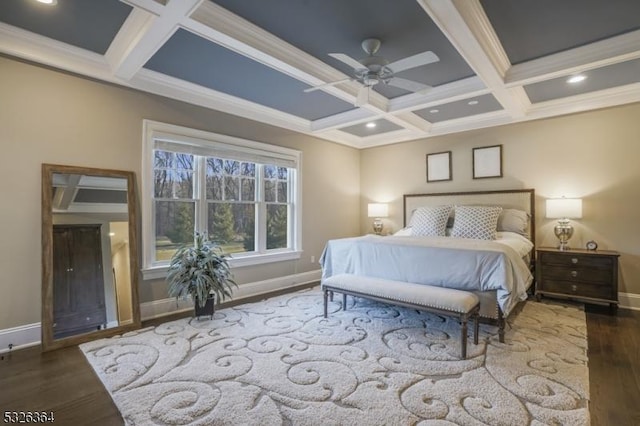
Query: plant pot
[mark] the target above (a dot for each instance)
(207, 309)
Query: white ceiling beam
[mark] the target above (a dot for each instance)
(64, 195)
(150, 6)
(622, 48)
(614, 96)
(343, 119)
(43, 50)
(467, 27)
(137, 24)
(412, 121)
(443, 94)
(134, 50)
(221, 26)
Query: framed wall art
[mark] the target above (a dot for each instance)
(487, 162)
(439, 167)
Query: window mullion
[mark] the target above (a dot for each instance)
(200, 193)
(261, 211)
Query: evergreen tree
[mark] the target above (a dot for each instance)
(222, 224)
(276, 226)
(182, 229)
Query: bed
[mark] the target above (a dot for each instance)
(499, 272)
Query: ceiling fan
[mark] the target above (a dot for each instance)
(372, 70)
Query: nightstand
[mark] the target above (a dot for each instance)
(587, 275)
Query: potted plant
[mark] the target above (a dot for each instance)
(202, 272)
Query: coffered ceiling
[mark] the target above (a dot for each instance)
(500, 61)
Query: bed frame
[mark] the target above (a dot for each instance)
(521, 199)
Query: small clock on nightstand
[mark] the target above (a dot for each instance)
(592, 245)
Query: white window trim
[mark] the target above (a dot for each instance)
(152, 130)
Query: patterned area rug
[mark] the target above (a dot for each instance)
(279, 362)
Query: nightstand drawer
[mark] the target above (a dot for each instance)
(579, 289)
(576, 260)
(577, 274)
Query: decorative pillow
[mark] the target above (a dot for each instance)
(512, 220)
(404, 232)
(430, 221)
(479, 222)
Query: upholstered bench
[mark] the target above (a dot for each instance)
(417, 296)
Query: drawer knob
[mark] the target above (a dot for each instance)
(574, 274)
(574, 288)
(574, 260)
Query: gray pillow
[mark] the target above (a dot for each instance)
(430, 221)
(479, 222)
(513, 220)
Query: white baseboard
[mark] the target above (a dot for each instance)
(164, 307)
(29, 335)
(629, 301)
(19, 337)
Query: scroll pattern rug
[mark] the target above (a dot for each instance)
(279, 362)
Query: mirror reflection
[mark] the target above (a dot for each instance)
(88, 286)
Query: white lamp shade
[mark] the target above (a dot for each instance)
(564, 208)
(378, 210)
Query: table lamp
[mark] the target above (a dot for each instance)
(378, 211)
(564, 209)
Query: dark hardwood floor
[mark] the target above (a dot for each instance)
(63, 382)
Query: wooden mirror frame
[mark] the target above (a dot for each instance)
(48, 341)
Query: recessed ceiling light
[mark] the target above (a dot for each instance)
(112, 234)
(576, 78)
(49, 2)
(371, 125)
(434, 111)
(473, 102)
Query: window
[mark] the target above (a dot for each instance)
(245, 195)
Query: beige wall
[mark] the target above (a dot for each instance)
(52, 117)
(593, 155)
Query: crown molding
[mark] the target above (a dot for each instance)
(622, 48)
(462, 21)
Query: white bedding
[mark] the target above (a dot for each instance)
(466, 264)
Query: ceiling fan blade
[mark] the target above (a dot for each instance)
(414, 61)
(347, 60)
(363, 96)
(331, 83)
(410, 85)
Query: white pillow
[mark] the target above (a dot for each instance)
(512, 220)
(479, 222)
(430, 221)
(404, 232)
(516, 241)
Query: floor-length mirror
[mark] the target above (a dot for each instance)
(89, 257)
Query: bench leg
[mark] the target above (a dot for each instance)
(500, 326)
(326, 295)
(331, 295)
(344, 301)
(463, 337)
(476, 328)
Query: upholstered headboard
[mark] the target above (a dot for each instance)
(521, 199)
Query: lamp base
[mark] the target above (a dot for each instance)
(563, 230)
(377, 226)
